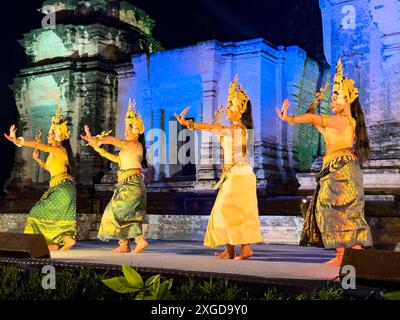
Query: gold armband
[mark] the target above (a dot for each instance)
(190, 125)
(20, 142)
(324, 118)
(292, 119)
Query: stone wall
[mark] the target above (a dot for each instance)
(76, 65)
(365, 34)
(276, 230)
(88, 224)
(198, 76)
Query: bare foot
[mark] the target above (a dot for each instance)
(68, 244)
(336, 261)
(226, 255)
(229, 252)
(245, 253)
(123, 247)
(140, 246)
(52, 247)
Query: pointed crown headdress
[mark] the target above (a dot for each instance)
(59, 126)
(343, 86)
(133, 118)
(236, 91)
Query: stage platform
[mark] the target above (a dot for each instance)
(279, 262)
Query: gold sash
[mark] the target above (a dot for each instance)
(335, 156)
(124, 175)
(56, 180)
(226, 170)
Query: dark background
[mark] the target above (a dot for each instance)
(178, 24)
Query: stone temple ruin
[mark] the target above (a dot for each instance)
(101, 53)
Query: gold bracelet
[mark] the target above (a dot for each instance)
(20, 142)
(190, 125)
(292, 119)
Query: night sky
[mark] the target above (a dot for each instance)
(178, 24)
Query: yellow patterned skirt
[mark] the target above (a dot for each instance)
(335, 217)
(234, 218)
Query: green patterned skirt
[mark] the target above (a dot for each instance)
(125, 213)
(335, 217)
(54, 215)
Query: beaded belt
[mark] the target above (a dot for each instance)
(226, 170)
(56, 180)
(335, 156)
(123, 175)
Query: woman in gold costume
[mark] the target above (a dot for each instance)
(54, 215)
(124, 215)
(234, 218)
(335, 217)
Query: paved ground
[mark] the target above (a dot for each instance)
(269, 261)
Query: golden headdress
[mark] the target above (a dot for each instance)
(343, 86)
(59, 126)
(133, 118)
(236, 91)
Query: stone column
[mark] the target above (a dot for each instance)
(386, 17)
(207, 169)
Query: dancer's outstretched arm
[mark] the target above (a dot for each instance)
(106, 154)
(93, 142)
(217, 129)
(336, 122)
(101, 140)
(21, 142)
(111, 140)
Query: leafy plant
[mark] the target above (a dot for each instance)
(323, 293)
(213, 289)
(132, 283)
(302, 296)
(271, 294)
(395, 295)
(71, 284)
(328, 293)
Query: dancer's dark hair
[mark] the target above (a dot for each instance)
(247, 117)
(361, 146)
(142, 141)
(71, 159)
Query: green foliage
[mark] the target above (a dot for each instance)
(89, 284)
(395, 295)
(132, 283)
(71, 284)
(213, 289)
(328, 293)
(272, 294)
(323, 293)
